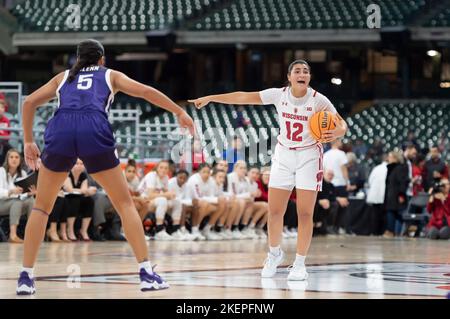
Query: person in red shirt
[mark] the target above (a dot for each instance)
(439, 207)
(4, 121)
(196, 157)
(417, 172)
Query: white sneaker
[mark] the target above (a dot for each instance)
(261, 233)
(286, 234)
(147, 238)
(271, 263)
(297, 272)
(237, 234)
(227, 234)
(196, 235)
(210, 235)
(251, 233)
(163, 236)
(178, 235)
(294, 232)
(342, 231)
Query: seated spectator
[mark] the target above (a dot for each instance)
(434, 169)
(102, 208)
(141, 203)
(356, 175)
(206, 203)
(239, 187)
(439, 207)
(79, 201)
(397, 182)
(4, 134)
(325, 198)
(14, 201)
(155, 188)
(58, 216)
(178, 185)
(222, 165)
(225, 223)
(259, 211)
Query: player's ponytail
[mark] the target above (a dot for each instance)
(88, 53)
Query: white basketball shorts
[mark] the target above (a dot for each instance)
(299, 168)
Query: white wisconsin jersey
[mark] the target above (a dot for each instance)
(294, 114)
(152, 180)
(182, 192)
(238, 186)
(200, 189)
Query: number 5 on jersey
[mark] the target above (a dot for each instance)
(298, 129)
(84, 82)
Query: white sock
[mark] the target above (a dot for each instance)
(251, 226)
(183, 228)
(194, 229)
(147, 266)
(207, 228)
(276, 251)
(299, 260)
(30, 271)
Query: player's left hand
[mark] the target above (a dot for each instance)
(331, 135)
(185, 121)
(32, 154)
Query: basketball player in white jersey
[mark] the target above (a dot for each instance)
(202, 188)
(297, 160)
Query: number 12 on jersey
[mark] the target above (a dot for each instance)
(297, 129)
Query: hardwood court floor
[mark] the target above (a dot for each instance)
(339, 267)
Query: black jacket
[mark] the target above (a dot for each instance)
(397, 181)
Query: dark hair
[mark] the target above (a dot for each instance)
(181, 171)
(291, 66)
(216, 171)
(131, 162)
(202, 166)
(88, 53)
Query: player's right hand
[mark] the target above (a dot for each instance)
(200, 102)
(32, 154)
(185, 121)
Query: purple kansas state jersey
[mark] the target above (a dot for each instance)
(90, 90)
(80, 127)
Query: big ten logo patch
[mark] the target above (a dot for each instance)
(319, 177)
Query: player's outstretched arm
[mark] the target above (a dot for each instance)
(121, 82)
(39, 97)
(238, 98)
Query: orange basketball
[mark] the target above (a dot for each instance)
(321, 122)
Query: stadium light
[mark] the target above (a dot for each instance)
(432, 53)
(336, 81)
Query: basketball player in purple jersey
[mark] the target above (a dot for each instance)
(80, 129)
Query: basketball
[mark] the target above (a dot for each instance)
(321, 122)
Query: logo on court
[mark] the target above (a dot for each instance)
(74, 278)
(376, 279)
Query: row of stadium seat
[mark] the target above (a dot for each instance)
(441, 19)
(107, 15)
(201, 15)
(304, 14)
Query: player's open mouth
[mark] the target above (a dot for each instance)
(301, 82)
